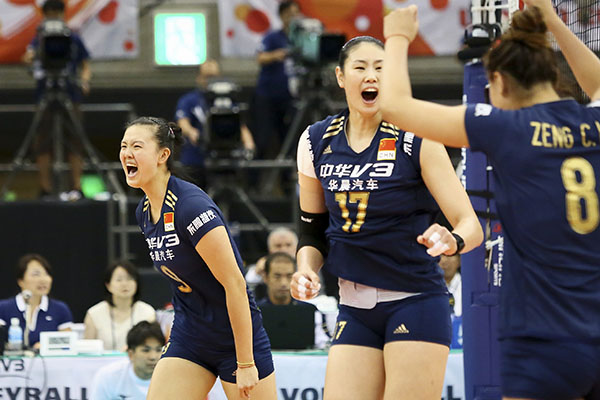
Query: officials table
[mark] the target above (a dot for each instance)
(299, 375)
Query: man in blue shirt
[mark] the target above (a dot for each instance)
(192, 116)
(273, 100)
(130, 379)
(78, 62)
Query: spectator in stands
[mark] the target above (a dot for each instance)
(130, 379)
(451, 267)
(192, 116)
(279, 239)
(111, 319)
(77, 70)
(273, 99)
(279, 268)
(34, 277)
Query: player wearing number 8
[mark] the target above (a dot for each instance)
(368, 194)
(545, 154)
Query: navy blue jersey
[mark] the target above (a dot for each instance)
(378, 204)
(546, 160)
(201, 317)
(193, 106)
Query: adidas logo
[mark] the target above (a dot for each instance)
(328, 150)
(401, 329)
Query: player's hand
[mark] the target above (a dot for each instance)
(401, 22)
(305, 285)
(438, 240)
(246, 379)
(545, 7)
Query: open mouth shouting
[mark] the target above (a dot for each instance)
(131, 170)
(369, 95)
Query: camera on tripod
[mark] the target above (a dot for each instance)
(55, 50)
(311, 45)
(224, 120)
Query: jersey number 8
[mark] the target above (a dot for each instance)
(581, 199)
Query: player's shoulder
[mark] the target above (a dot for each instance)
(328, 127)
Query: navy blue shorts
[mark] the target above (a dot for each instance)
(222, 361)
(424, 318)
(548, 370)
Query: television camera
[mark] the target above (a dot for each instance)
(311, 45)
(224, 119)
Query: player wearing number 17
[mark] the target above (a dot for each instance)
(368, 194)
(545, 153)
(217, 329)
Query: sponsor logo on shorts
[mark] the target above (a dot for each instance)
(401, 329)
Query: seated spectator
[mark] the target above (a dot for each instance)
(451, 267)
(111, 319)
(279, 239)
(34, 277)
(130, 379)
(279, 268)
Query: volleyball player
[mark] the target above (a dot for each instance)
(217, 329)
(368, 194)
(546, 159)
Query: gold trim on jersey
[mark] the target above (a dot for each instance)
(390, 128)
(146, 204)
(335, 127)
(172, 195)
(170, 199)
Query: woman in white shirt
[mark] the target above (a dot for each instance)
(111, 319)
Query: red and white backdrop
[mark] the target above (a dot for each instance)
(109, 28)
(442, 22)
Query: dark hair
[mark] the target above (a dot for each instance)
(53, 5)
(142, 331)
(279, 256)
(524, 51)
(24, 261)
(167, 134)
(285, 5)
(352, 43)
(131, 270)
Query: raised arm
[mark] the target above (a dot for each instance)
(428, 120)
(583, 62)
(215, 249)
(442, 182)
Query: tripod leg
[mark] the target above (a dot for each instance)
(290, 136)
(17, 163)
(293, 130)
(89, 149)
(251, 207)
(58, 159)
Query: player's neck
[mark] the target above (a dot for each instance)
(360, 126)
(360, 130)
(155, 191)
(542, 93)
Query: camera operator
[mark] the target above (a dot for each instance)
(192, 115)
(273, 100)
(63, 82)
